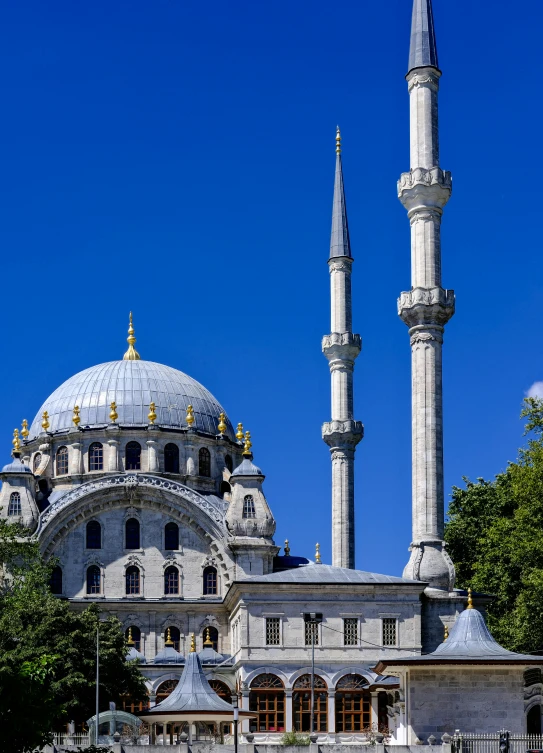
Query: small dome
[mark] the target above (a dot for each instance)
(208, 655)
(132, 385)
(133, 654)
(247, 468)
(168, 655)
(16, 467)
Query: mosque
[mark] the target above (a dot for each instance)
(133, 477)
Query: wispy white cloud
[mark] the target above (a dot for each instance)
(536, 390)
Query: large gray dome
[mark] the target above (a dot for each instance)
(132, 385)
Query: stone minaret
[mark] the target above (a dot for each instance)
(342, 433)
(427, 307)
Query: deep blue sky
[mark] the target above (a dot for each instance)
(177, 159)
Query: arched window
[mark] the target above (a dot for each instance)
(96, 457)
(94, 535)
(204, 462)
(171, 580)
(225, 488)
(249, 507)
(222, 690)
(228, 463)
(62, 461)
(132, 578)
(171, 458)
(301, 704)
(267, 698)
(93, 579)
(175, 636)
(171, 537)
(14, 507)
(353, 704)
(210, 581)
(36, 462)
(210, 635)
(55, 581)
(135, 632)
(132, 534)
(533, 720)
(133, 456)
(164, 690)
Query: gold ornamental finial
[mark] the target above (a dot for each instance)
(168, 641)
(24, 430)
(470, 600)
(16, 442)
(192, 644)
(222, 423)
(318, 554)
(239, 433)
(247, 446)
(45, 420)
(76, 420)
(208, 643)
(113, 415)
(151, 415)
(190, 415)
(445, 633)
(131, 354)
(130, 641)
(338, 141)
(287, 548)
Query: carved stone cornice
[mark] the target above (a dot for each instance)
(340, 264)
(343, 346)
(342, 434)
(426, 306)
(423, 77)
(423, 188)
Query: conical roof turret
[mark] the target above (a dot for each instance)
(423, 49)
(340, 244)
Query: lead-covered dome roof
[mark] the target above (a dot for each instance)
(132, 385)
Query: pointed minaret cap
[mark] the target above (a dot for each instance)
(340, 244)
(423, 50)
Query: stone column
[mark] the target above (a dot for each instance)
(288, 711)
(375, 709)
(75, 459)
(332, 711)
(152, 456)
(113, 455)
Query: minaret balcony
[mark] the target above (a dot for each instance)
(426, 306)
(341, 346)
(423, 188)
(342, 434)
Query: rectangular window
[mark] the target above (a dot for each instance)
(249, 507)
(273, 631)
(308, 628)
(350, 631)
(389, 631)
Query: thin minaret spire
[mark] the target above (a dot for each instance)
(341, 348)
(427, 307)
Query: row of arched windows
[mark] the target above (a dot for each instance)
(132, 535)
(133, 459)
(133, 581)
(174, 634)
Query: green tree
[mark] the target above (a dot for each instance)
(48, 652)
(495, 537)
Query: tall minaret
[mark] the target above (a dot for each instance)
(427, 307)
(342, 433)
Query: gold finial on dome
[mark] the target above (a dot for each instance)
(338, 141)
(131, 354)
(318, 554)
(190, 415)
(130, 641)
(222, 423)
(208, 643)
(445, 633)
(239, 433)
(168, 641)
(192, 644)
(24, 429)
(16, 442)
(287, 548)
(45, 420)
(76, 420)
(113, 415)
(152, 414)
(470, 600)
(247, 446)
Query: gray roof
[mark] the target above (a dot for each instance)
(247, 468)
(208, 655)
(327, 574)
(340, 245)
(16, 466)
(423, 49)
(132, 654)
(168, 655)
(132, 385)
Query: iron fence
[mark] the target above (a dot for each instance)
(67, 740)
(497, 742)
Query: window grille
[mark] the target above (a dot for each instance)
(309, 628)
(210, 581)
(132, 534)
(171, 581)
(93, 579)
(132, 580)
(273, 631)
(171, 536)
(204, 462)
(389, 631)
(14, 507)
(267, 698)
(350, 631)
(62, 461)
(96, 457)
(249, 507)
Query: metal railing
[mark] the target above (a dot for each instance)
(494, 742)
(66, 740)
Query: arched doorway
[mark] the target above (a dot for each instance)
(533, 720)
(301, 704)
(353, 704)
(267, 698)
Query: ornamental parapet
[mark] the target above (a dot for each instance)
(338, 434)
(422, 188)
(341, 346)
(426, 306)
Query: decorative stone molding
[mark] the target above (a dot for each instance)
(424, 337)
(210, 621)
(340, 264)
(426, 306)
(423, 77)
(342, 434)
(423, 188)
(430, 562)
(133, 620)
(342, 346)
(135, 560)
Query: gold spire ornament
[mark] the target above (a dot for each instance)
(152, 414)
(318, 554)
(208, 643)
(338, 141)
(130, 641)
(445, 633)
(45, 420)
(131, 354)
(168, 641)
(24, 430)
(16, 442)
(247, 446)
(190, 415)
(239, 433)
(287, 548)
(222, 423)
(470, 600)
(76, 420)
(113, 415)
(192, 644)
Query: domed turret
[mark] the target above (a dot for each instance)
(17, 498)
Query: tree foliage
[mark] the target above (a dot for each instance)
(495, 537)
(48, 652)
